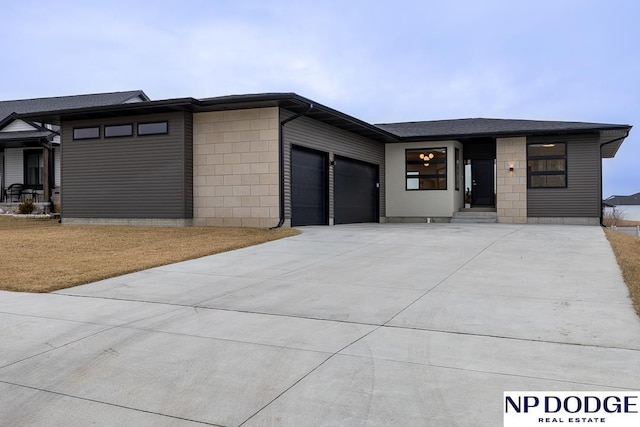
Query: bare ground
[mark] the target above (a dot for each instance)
(39, 255)
(627, 250)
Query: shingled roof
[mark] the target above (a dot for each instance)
(488, 127)
(23, 106)
(633, 199)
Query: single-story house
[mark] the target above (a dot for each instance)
(276, 159)
(623, 207)
(30, 150)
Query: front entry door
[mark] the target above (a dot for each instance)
(482, 180)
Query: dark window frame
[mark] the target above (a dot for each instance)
(123, 126)
(438, 177)
(28, 183)
(165, 122)
(532, 173)
(76, 137)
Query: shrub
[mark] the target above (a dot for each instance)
(26, 207)
(612, 216)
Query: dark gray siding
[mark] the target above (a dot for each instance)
(306, 132)
(582, 196)
(132, 177)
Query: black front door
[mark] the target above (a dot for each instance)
(482, 176)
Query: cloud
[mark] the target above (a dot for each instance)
(379, 61)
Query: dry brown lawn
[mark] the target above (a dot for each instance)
(620, 222)
(627, 250)
(41, 255)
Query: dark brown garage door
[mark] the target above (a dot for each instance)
(309, 194)
(356, 191)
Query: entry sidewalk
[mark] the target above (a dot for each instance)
(376, 325)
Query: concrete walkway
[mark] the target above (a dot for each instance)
(359, 325)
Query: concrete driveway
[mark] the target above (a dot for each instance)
(359, 325)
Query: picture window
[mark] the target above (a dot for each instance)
(426, 169)
(547, 165)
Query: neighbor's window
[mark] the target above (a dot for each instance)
(33, 168)
(426, 169)
(547, 165)
(155, 128)
(86, 133)
(114, 131)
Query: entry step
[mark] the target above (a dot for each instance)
(475, 216)
(478, 210)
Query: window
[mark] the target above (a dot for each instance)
(155, 128)
(458, 169)
(426, 169)
(86, 133)
(118, 130)
(33, 168)
(547, 165)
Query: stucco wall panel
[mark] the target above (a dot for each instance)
(403, 203)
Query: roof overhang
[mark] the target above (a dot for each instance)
(148, 107)
(509, 134)
(611, 140)
(610, 136)
(288, 101)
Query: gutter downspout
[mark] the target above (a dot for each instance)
(601, 183)
(281, 159)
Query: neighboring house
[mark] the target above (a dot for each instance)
(623, 207)
(281, 159)
(30, 150)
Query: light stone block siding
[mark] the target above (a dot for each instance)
(511, 187)
(235, 168)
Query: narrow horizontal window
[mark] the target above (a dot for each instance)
(86, 133)
(426, 169)
(547, 165)
(118, 131)
(155, 128)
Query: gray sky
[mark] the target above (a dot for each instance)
(380, 61)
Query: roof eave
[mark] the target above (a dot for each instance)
(509, 134)
(611, 140)
(290, 101)
(147, 107)
(299, 104)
